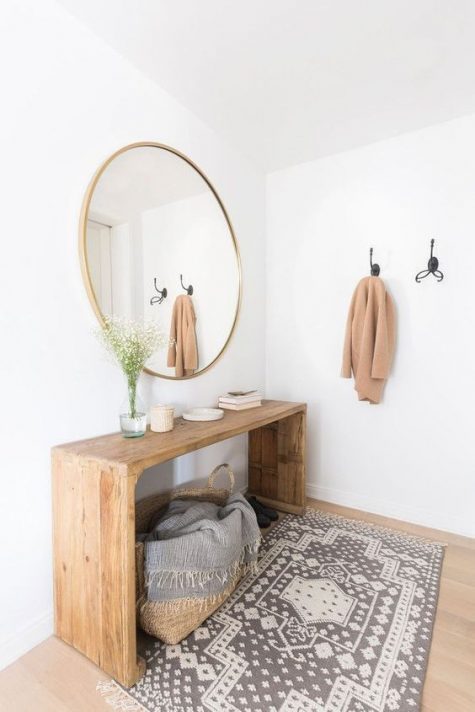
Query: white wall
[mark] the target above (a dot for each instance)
(413, 456)
(68, 101)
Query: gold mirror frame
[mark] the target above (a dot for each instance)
(83, 249)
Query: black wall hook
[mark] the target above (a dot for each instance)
(162, 294)
(432, 267)
(189, 289)
(374, 267)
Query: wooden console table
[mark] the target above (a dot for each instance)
(94, 518)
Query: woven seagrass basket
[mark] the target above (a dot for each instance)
(172, 624)
(162, 418)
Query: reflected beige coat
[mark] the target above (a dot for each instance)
(183, 351)
(369, 339)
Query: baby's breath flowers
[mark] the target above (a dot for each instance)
(131, 343)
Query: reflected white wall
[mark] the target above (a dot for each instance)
(191, 237)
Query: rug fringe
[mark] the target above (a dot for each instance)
(117, 697)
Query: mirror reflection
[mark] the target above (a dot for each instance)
(158, 246)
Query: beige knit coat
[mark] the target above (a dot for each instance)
(369, 339)
(183, 350)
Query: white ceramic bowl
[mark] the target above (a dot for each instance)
(203, 414)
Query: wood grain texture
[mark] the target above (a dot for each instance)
(94, 522)
(53, 677)
(277, 463)
(94, 563)
(133, 455)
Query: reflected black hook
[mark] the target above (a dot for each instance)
(189, 289)
(161, 292)
(374, 267)
(432, 267)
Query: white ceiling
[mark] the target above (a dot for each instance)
(288, 81)
(141, 179)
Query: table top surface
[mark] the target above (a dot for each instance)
(136, 454)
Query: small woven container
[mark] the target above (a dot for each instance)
(162, 418)
(157, 618)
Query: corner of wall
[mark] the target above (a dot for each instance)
(27, 637)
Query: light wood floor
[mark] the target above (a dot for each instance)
(54, 678)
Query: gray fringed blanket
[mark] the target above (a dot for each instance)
(196, 549)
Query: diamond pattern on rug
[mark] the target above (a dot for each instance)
(338, 618)
(318, 600)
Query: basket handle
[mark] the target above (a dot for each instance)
(214, 474)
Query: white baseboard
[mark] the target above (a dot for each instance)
(27, 637)
(425, 518)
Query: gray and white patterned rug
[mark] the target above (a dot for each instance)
(338, 618)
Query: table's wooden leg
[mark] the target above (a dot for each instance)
(277, 463)
(94, 563)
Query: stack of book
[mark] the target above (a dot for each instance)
(240, 400)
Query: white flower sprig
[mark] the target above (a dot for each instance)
(131, 343)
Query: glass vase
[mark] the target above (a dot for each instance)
(133, 418)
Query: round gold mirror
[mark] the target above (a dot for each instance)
(156, 244)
